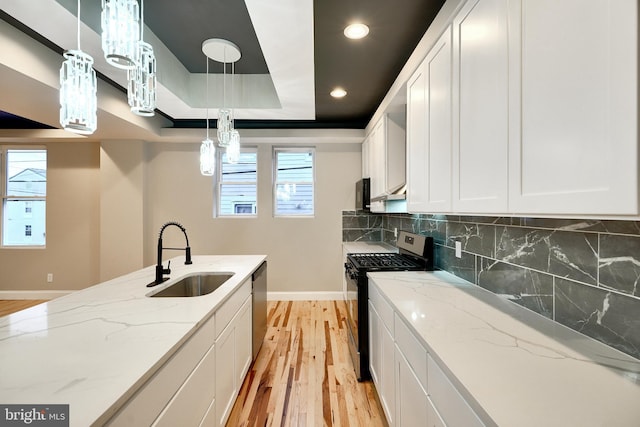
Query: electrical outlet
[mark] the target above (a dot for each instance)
(395, 232)
(50, 278)
(458, 249)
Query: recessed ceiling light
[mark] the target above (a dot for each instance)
(338, 92)
(356, 31)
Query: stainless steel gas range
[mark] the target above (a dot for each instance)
(415, 254)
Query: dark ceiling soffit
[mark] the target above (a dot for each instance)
(275, 124)
(360, 123)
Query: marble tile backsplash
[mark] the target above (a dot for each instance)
(583, 274)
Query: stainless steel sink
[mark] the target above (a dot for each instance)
(195, 285)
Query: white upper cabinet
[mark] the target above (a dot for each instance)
(574, 121)
(385, 150)
(480, 105)
(429, 131)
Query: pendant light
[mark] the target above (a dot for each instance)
(207, 148)
(141, 92)
(78, 93)
(120, 32)
(226, 52)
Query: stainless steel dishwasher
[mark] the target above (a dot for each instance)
(259, 280)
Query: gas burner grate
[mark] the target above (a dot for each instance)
(382, 260)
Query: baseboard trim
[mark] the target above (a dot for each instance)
(304, 296)
(33, 294)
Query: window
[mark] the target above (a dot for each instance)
(237, 185)
(294, 181)
(23, 187)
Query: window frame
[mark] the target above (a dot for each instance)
(275, 183)
(219, 183)
(4, 178)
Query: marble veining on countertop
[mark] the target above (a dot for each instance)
(516, 368)
(93, 348)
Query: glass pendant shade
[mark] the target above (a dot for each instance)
(233, 150)
(224, 127)
(207, 157)
(120, 32)
(141, 92)
(78, 93)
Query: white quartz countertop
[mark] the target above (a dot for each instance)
(368, 247)
(93, 348)
(515, 367)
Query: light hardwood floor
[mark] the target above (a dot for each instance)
(11, 306)
(303, 375)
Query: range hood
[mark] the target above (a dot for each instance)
(399, 194)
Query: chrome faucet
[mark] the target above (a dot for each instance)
(160, 270)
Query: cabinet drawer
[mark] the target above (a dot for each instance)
(412, 350)
(150, 399)
(382, 306)
(230, 307)
(433, 417)
(453, 408)
(190, 404)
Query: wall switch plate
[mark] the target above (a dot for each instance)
(395, 232)
(458, 249)
(50, 278)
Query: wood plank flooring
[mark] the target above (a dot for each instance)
(8, 306)
(303, 375)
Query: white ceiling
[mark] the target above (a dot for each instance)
(287, 93)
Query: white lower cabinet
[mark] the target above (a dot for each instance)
(198, 384)
(381, 357)
(233, 356)
(453, 408)
(412, 388)
(411, 398)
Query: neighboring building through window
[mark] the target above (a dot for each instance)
(23, 187)
(237, 185)
(294, 181)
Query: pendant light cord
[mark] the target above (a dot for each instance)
(224, 77)
(78, 32)
(141, 20)
(207, 97)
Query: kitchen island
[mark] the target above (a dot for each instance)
(96, 348)
(477, 359)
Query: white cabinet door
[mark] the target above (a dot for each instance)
(375, 353)
(439, 126)
(416, 142)
(377, 166)
(574, 71)
(395, 152)
(381, 363)
(225, 372)
(387, 376)
(452, 407)
(411, 397)
(244, 342)
(366, 158)
(233, 357)
(480, 103)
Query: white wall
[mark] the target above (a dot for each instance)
(304, 254)
(122, 166)
(73, 204)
